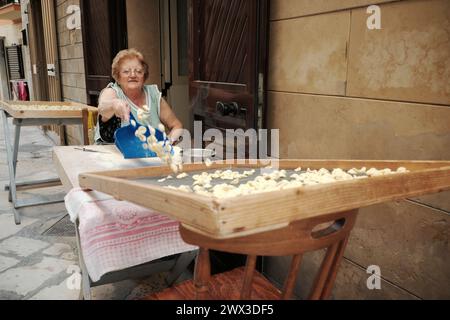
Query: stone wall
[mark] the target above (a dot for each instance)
(339, 90)
(71, 57)
(11, 32)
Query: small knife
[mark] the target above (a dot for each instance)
(90, 150)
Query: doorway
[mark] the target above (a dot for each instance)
(44, 57)
(174, 57)
(37, 52)
(104, 35)
(228, 45)
(158, 29)
(4, 89)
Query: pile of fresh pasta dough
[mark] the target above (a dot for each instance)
(40, 107)
(164, 150)
(271, 180)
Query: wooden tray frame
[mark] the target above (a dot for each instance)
(11, 109)
(243, 215)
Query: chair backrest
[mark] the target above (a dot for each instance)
(87, 124)
(295, 239)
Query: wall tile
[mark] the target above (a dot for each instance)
(141, 17)
(439, 201)
(284, 9)
(351, 280)
(414, 255)
(346, 128)
(408, 59)
(308, 55)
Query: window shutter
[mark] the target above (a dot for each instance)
(15, 62)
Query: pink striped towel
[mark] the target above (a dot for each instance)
(116, 235)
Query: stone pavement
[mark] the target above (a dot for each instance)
(34, 262)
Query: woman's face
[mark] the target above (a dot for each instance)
(131, 74)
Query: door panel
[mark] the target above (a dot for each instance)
(51, 50)
(44, 56)
(51, 65)
(227, 62)
(37, 51)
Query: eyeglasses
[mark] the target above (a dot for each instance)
(128, 72)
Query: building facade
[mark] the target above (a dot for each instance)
(352, 79)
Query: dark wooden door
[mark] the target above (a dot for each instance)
(104, 34)
(228, 43)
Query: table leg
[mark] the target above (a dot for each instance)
(10, 161)
(333, 272)
(202, 274)
(16, 145)
(15, 153)
(180, 266)
(85, 289)
(25, 184)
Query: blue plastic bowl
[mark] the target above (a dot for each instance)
(130, 145)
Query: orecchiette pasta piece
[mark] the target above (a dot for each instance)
(182, 175)
(208, 162)
(152, 130)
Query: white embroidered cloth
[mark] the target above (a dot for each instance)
(116, 235)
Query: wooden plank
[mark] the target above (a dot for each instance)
(248, 214)
(185, 207)
(44, 109)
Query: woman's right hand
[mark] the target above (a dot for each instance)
(121, 109)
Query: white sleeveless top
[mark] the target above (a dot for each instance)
(151, 117)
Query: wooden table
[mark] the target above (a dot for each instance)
(70, 161)
(36, 113)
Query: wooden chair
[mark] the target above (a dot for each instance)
(85, 124)
(247, 283)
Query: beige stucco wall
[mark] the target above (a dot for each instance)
(143, 34)
(144, 27)
(70, 46)
(11, 32)
(339, 90)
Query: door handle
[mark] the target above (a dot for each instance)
(227, 108)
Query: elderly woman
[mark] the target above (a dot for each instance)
(129, 94)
